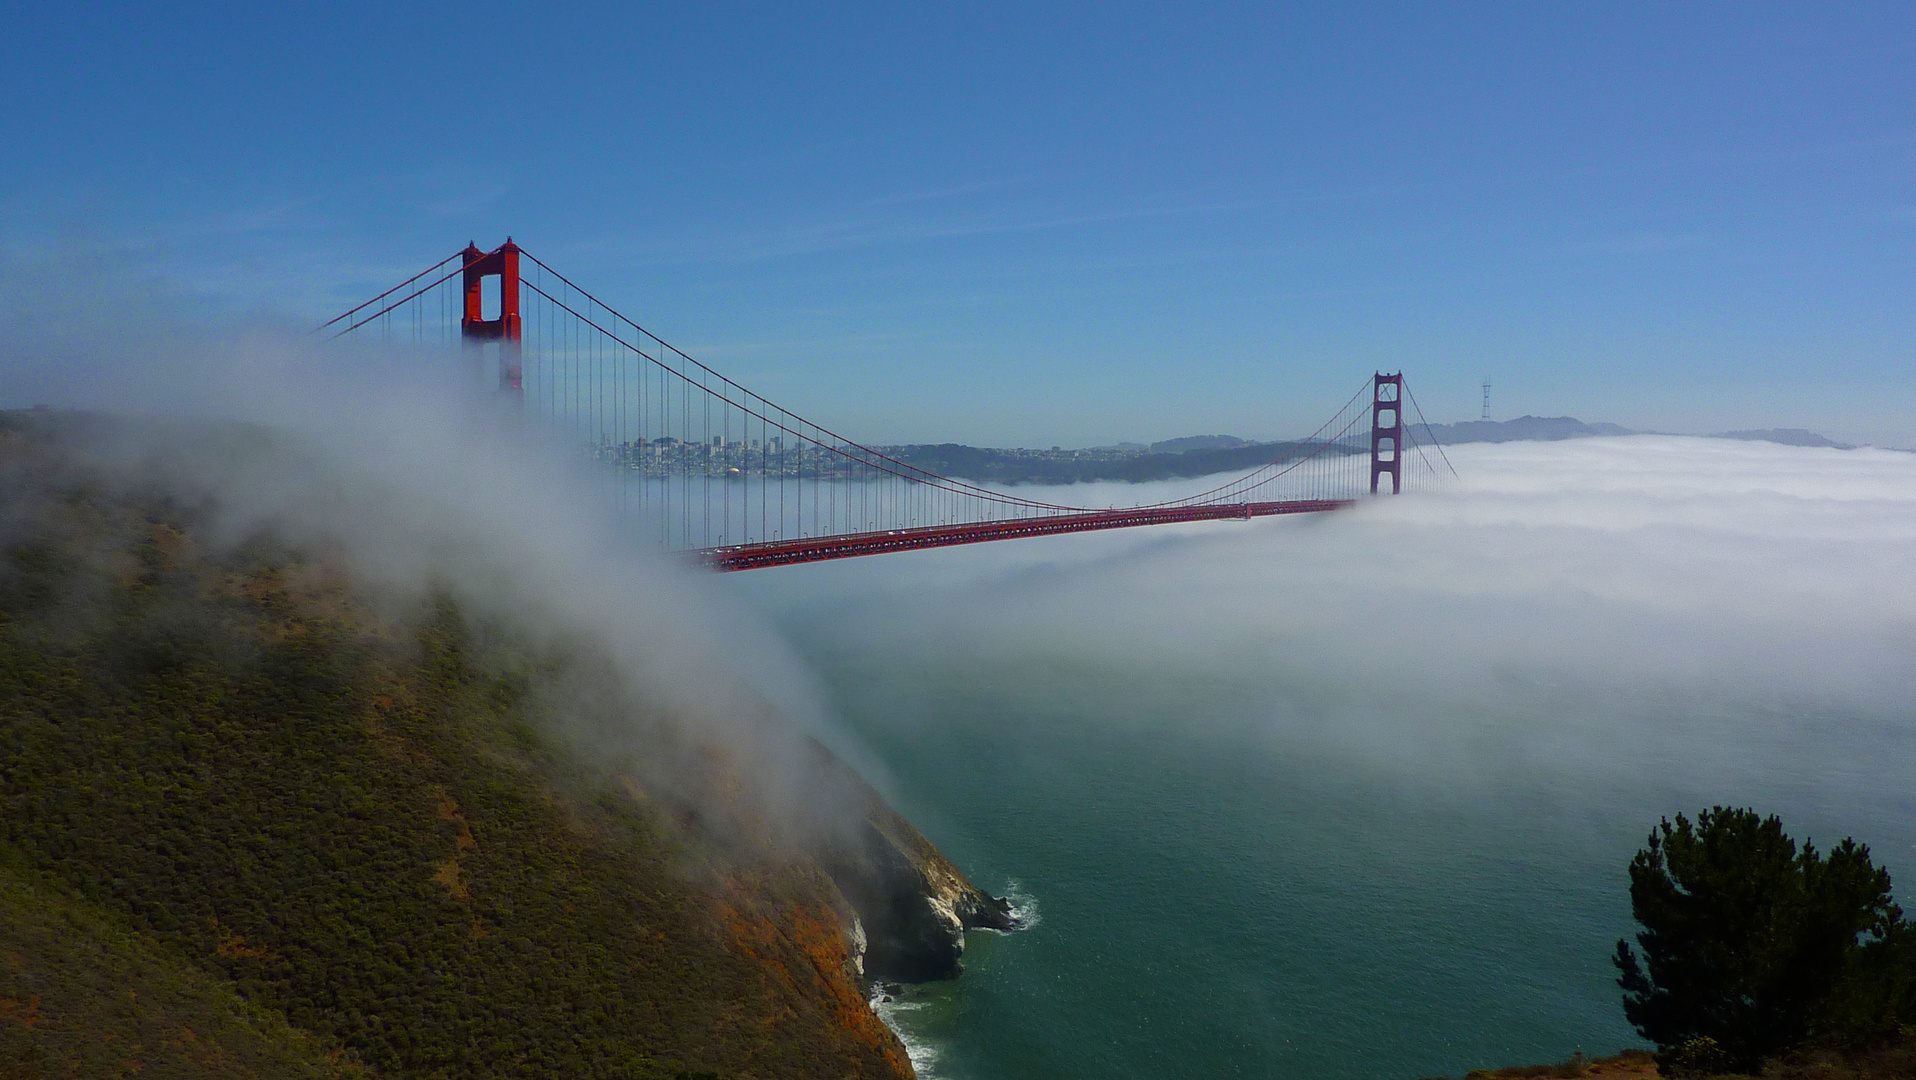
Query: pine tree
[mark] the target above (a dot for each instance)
(1752, 948)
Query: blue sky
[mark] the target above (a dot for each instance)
(1033, 225)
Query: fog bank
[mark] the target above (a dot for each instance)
(1646, 605)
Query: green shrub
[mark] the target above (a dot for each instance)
(1754, 949)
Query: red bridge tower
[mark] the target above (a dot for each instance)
(475, 328)
(1387, 431)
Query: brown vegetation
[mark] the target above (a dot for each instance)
(1626, 1065)
(1896, 1062)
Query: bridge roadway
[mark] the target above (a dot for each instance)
(816, 549)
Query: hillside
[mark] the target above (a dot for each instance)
(1787, 437)
(987, 465)
(1557, 428)
(1206, 455)
(1522, 429)
(82, 994)
(254, 821)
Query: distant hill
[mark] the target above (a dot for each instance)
(1522, 429)
(1199, 442)
(1554, 428)
(1786, 436)
(1068, 467)
(1206, 455)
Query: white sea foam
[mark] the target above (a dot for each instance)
(924, 1056)
(1024, 906)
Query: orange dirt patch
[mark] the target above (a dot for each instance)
(1627, 1065)
(448, 875)
(816, 935)
(25, 1012)
(449, 811)
(235, 945)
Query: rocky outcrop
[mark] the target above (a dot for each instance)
(913, 905)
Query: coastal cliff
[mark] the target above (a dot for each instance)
(254, 821)
(913, 905)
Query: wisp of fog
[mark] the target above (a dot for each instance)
(399, 464)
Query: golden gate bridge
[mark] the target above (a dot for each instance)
(710, 468)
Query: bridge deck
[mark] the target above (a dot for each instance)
(815, 549)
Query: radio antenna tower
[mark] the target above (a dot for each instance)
(1486, 414)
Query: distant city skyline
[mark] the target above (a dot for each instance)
(1075, 225)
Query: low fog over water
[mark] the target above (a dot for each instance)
(1353, 795)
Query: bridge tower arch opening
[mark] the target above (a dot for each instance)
(1387, 431)
(475, 329)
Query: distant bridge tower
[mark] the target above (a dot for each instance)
(1387, 431)
(475, 328)
(1486, 414)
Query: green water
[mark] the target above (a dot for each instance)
(1219, 895)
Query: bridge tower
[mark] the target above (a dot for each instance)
(476, 329)
(1387, 431)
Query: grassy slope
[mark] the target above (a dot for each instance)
(83, 995)
(352, 825)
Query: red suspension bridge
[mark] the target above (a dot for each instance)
(704, 465)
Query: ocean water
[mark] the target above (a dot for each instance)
(1355, 797)
(1215, 904)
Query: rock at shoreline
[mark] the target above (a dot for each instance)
(913, 905)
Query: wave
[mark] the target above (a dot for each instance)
(924, 1056)
(1024, 906)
